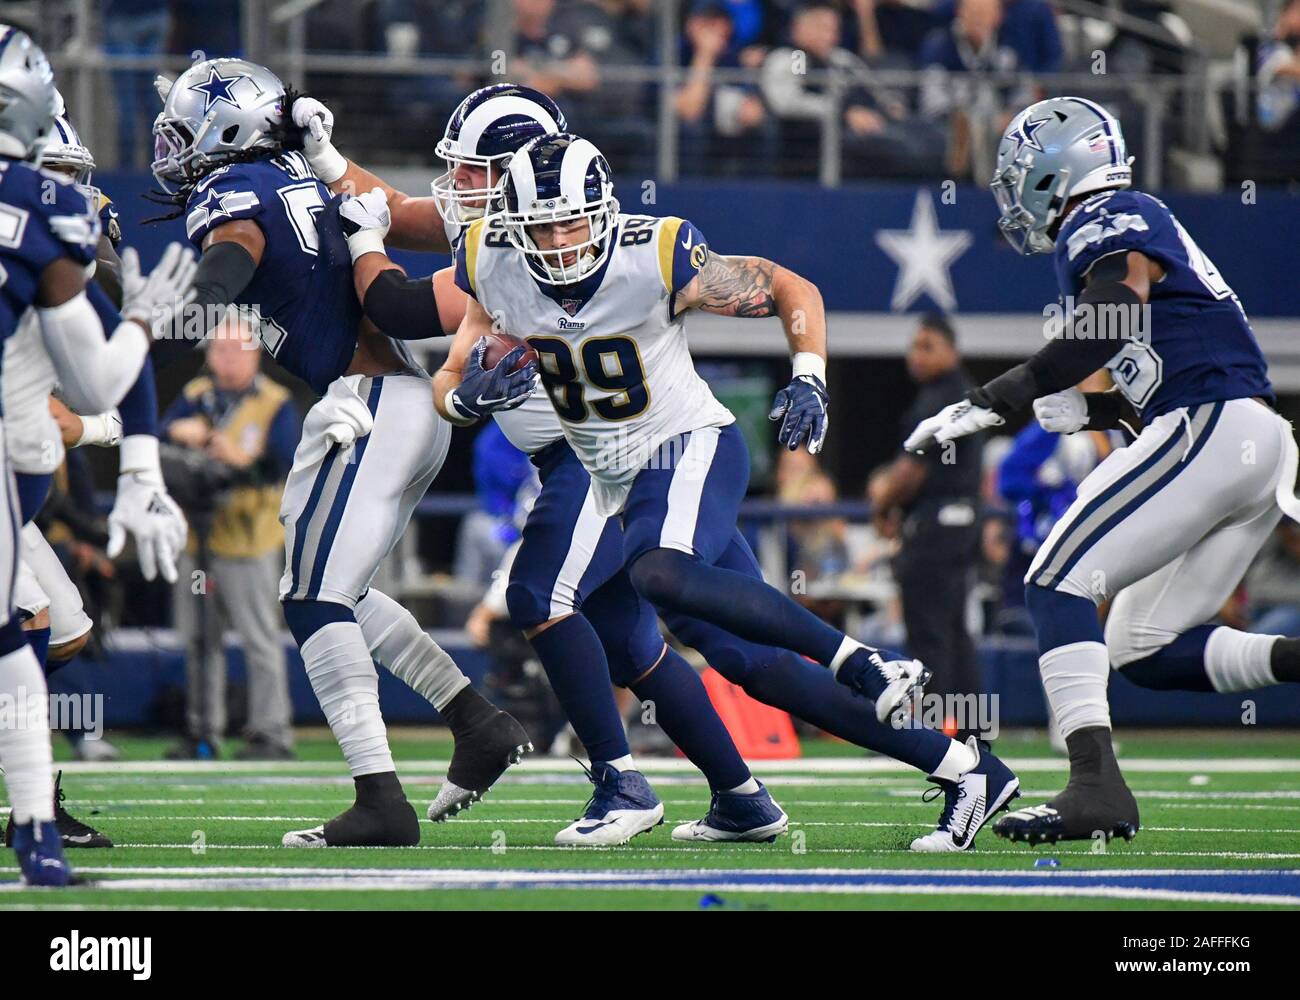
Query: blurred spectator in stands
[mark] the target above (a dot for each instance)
(1026, 27)
(968, 82)
(937, 495)
(614, 113)
(886, 33)
(1279, 73)
(818, 549)
(238, 430)
(724, 128)
(134, 28)
(1273, 583)
(551, 60)
(878, 139)
(500, 470)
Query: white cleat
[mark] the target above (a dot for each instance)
(622, 805)
(450, 800)
(970, 802)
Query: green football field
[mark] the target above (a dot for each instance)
(1220, 815)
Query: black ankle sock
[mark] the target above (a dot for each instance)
(376, 789)
(1284, 659)
(1091, 754)
(466, 711)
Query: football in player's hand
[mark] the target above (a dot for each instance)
(500, 344)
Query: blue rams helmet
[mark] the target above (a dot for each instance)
(215, 111)
(484, 131)
(1051, 152)
(554, 179)
(27, 95)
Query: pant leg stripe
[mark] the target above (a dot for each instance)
(339, 505)
(686, 490)
(1207, 418)
(303, 523)
(587, 533)
(1069, 538)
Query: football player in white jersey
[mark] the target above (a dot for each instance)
(568, 580)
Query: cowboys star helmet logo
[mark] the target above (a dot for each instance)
(216, 88)
(1027, 134)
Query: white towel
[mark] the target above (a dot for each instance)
(339, 417)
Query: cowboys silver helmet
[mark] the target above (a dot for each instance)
(64, 150)
(1051, 152)
(483, 132)
(214, 111)
(559, 178)
(27, 95)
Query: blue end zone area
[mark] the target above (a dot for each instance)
(143, 665)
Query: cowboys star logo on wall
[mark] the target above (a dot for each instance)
(217, 88)
(924, 253)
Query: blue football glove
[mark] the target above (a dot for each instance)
(486, 391)
(803, 405)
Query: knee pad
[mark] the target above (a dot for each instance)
(1061, 619)
(306, 618)
(527, 605)
(657, 576)
(632, 644)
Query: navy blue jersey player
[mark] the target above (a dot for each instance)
(48, 236)
(1165, 528)
(271, 242)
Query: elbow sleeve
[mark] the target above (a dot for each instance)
(224, 270)
(403, 308)
(95, 372)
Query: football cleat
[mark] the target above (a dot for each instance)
(738, 816)
(1085, 810)
(73, 832)
(969, 802)
(892, 684)
(391, 823)
(480, 757)
(622, 805)
(40, 855)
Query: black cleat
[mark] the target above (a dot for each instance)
(482, 754)
(381, 817)
(72, 831)
(1095, 803)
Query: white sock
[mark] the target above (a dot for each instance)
(957, 761)
(347, 687)
(624, 763)
(1075, 677)
(1239, 661)
(396, 640)
(847, 648)
(25, 738)
(746, 788)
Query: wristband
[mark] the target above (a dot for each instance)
(139, 453)
(454, 414)
(365, 241)
(328, 163)
(807, 363)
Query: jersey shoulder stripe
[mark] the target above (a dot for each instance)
(472, 241)
(668, 229)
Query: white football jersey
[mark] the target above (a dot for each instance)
(615, 366)
(34, 442)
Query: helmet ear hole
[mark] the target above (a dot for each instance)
(229, 134)
(1045, 183)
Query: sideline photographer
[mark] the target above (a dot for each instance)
(231, 435)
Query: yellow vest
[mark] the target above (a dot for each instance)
(247, 524)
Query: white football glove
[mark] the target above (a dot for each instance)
(955, 421)
(101, 429)
(145, 509)
(365, 220)
(157, 298)
(317, 122)
(1062, 412)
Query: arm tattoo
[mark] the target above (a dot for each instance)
(737, 286)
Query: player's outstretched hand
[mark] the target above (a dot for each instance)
(365, 220)
(145, 509)
(955, 421)
(801, 408)
(156, 299)
(1062, 412)
(483, 391)
(317, 124)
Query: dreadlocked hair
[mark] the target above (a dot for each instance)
(286, 136)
